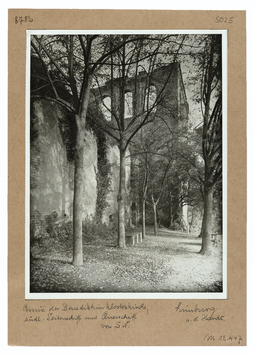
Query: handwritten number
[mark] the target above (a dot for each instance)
(21, 19)
(224, 19)
(223, 338)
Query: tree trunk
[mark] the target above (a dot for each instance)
(207, 222)
(78, 198)
(137, 215)
(80, 119)
(121, 200)
(158, 219)
(170, 214)
(63, 193)
(155, 218)
(143, 218)
(202, 227)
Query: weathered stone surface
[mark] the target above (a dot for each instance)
(165, 81)
(52, 175)
(113, 159)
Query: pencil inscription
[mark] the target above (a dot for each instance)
(109, 315)
(21, 19)
(224, 19)
(199, 313)
(223, 338)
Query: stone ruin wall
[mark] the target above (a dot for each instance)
(110, 212)
(52, 174)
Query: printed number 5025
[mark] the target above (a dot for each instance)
(224, 19)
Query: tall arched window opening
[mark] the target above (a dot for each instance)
(150, 98)
(128, 105)
(106, 108)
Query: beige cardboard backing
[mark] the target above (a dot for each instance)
(160, 324)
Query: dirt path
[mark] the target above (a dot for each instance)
(168, 262)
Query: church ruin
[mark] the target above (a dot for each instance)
(52, 169)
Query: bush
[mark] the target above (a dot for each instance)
(62, 230)
(129, 229)
(176, 226)
(95, 228)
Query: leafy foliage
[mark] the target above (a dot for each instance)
(93, 228)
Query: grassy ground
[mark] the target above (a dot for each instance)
(168, 262)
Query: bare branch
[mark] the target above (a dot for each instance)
(51, 58)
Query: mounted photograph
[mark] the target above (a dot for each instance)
(126, 164)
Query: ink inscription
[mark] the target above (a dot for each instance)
(21, 19)
(197, 314)
(223, 338)
(107, 316)
(224, 19)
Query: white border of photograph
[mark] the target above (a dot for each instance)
(165, 295)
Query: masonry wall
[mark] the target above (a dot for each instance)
(172, 108)
(169, 86)
(110, 213)
(52, 174)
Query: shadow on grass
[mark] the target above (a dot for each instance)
(172, 236)
(49, 259)
(101, 244)
(190, 243)
(215, 287)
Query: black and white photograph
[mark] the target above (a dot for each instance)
(126, 164)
